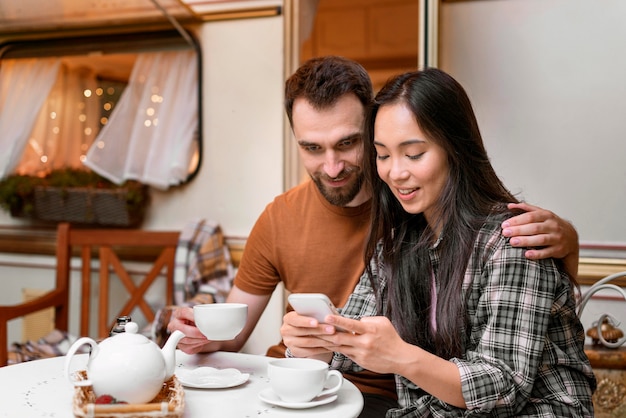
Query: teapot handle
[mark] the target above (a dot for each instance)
(71, 352)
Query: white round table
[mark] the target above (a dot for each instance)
(39, 389)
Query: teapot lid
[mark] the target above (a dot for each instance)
(130, 336)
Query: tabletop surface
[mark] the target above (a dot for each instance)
(39, 389)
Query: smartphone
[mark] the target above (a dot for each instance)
(315, 305)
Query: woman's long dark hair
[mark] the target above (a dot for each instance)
(473, 191)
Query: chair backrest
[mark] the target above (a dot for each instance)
(57, 298)
(110, 247)
(154, 250)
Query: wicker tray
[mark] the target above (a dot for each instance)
(169, 403)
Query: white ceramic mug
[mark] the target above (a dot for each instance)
(220, 321)
(297, 380)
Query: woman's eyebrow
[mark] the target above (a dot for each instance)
(403, 143)
(412, 141)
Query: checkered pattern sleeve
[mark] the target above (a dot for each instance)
(362, 302)
(524, 351)
(525, 337)
(524, 348)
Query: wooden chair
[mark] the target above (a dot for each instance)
(110, 247)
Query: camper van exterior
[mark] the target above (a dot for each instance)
(242, 52)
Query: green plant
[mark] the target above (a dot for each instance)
(17, 192)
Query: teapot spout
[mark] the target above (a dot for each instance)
(169, 352)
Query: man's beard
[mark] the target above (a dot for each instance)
(340, 196)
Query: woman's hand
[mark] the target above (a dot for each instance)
(371, 342)
(374, 344)
(301, 335)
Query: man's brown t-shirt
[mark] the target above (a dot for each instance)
(312, 247)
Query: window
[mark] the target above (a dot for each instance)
(76, 123)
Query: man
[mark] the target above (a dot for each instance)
(311, 237)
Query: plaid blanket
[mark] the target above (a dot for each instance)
(203, 264)
(56, 343)
(204, 272)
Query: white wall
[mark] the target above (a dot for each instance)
(242, 169)
(546, 78)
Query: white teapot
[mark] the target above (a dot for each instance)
(128, 366)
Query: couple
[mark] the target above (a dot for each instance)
(312, 238)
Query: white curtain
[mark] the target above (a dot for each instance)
(150, 134)
(67, 124)
(24, 86)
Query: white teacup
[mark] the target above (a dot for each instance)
(220, 321)
(297, 380)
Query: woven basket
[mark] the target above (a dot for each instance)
(86, 205)
(169, 403)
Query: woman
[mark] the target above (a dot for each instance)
(469, 326)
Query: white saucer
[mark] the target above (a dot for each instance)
(211, 378)
(270, 397)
